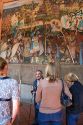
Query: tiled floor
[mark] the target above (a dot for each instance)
(26, 115)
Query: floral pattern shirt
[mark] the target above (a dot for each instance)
(9, 88)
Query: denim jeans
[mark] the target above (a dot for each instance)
(36, 108)
(72, 119)
(36, 115)
(50, 119)
(51, 123)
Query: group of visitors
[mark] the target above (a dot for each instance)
(47, 97)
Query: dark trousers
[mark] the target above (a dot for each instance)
(72, 119)
(36, 114)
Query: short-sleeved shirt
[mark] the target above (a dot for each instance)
(9, 89)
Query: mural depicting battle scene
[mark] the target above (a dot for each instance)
(41, 31)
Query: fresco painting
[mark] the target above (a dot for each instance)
(41, 31)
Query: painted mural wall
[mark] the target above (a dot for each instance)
(42, 31)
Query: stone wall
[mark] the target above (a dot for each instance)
(25, 73)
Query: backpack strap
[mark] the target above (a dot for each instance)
(62, 85)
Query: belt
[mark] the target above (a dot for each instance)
(6, 77)
(1, 99)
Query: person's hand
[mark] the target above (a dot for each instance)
(33, 92)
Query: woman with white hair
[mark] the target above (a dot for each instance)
(76, 89)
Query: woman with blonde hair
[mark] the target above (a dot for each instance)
(9, 95)
(76, 89)
(48, 94)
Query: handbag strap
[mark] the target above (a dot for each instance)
(6, 77)
(62, 85)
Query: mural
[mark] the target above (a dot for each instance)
(42, 31)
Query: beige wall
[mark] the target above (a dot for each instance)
(26, 72)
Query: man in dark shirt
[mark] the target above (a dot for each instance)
(39, 75)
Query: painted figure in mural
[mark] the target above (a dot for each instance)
(72, 22)
(27, 41)
(53, 26)
(72, 50)
(49, 47)
(9, 96)
(56, 27)
(26, 50)
(17, 51)
(79, 18)
(41, 47)
(13, 57)
(21, 21)
(39, 76)
(3, 49)
(52, 56)
(72, 46)
(9, 49)
(6, 46)
(35, 45)
(14, 23)
(21, 49)
(65, 21)
(63, 47)
(80, 25)
(80, 32)
(51, 52)
(34, 49)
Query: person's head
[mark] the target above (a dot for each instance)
(3, 67)
(70, 78)
(50, 72)
(39, 74)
